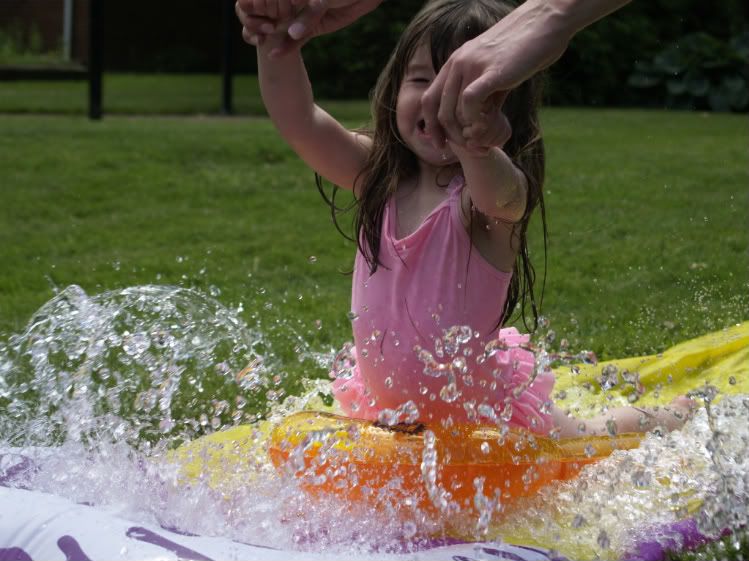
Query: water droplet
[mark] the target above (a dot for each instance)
(641, 478)
(609, 377)
(611, 427)
(166, 425)
(344, 363)
(449, 392)
(438, 349)
(409, 530)
(603, 540)
(506, 414)
(460, 365)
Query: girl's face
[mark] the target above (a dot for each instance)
(408, 111)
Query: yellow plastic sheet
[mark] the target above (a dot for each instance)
(719, 359)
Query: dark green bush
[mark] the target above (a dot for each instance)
(593, 71)
(346, 64)
(698, 71)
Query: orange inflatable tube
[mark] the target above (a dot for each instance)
(436, 467)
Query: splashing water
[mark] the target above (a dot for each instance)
(98, 389)
(143, 364)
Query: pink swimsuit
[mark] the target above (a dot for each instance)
(422, 324)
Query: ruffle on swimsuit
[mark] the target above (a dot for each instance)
(519, 399)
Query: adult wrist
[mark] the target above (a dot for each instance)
(567, 17)
(559, 17)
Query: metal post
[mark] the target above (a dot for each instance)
(95, 58)
(226, 56)
(67, 30)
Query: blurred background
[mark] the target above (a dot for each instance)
(680, 54)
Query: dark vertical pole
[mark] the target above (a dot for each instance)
(94, 58)
(226, 56)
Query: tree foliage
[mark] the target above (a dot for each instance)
(595, 70)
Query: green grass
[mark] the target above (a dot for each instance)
(144, 94)
(647, 216)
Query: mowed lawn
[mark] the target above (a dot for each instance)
(647, 215)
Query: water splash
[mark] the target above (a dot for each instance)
(146, 364)
(97, 388)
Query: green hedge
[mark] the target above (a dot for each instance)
(184, 36)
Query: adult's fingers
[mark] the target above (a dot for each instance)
(252, 38)
(285, 10)
(252, 23)
(476, 96)
(430, 105)
(448, 114)
(271, 8)
(495, 131)
(307, 19)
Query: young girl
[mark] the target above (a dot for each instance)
(442, 256)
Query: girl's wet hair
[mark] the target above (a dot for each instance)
(444, 25)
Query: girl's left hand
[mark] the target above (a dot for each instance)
(492, 130)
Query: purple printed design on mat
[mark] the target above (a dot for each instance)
(683, 535)
(502, 554)
(175, 530)
(147, 536)
(18, 467)
(14, 554)
(551, 554)
(72, 549)
(430, 543)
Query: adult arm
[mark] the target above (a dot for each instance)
(478, 76)
(322, 142)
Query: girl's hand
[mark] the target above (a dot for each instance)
(478, 76)
(491, 129)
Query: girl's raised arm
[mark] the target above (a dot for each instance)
(496, 186)
(322, 142)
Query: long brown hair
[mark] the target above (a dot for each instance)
(445, 25)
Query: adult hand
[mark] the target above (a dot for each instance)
(463, 101)
(309, 18)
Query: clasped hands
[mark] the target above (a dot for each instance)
(455, 111)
